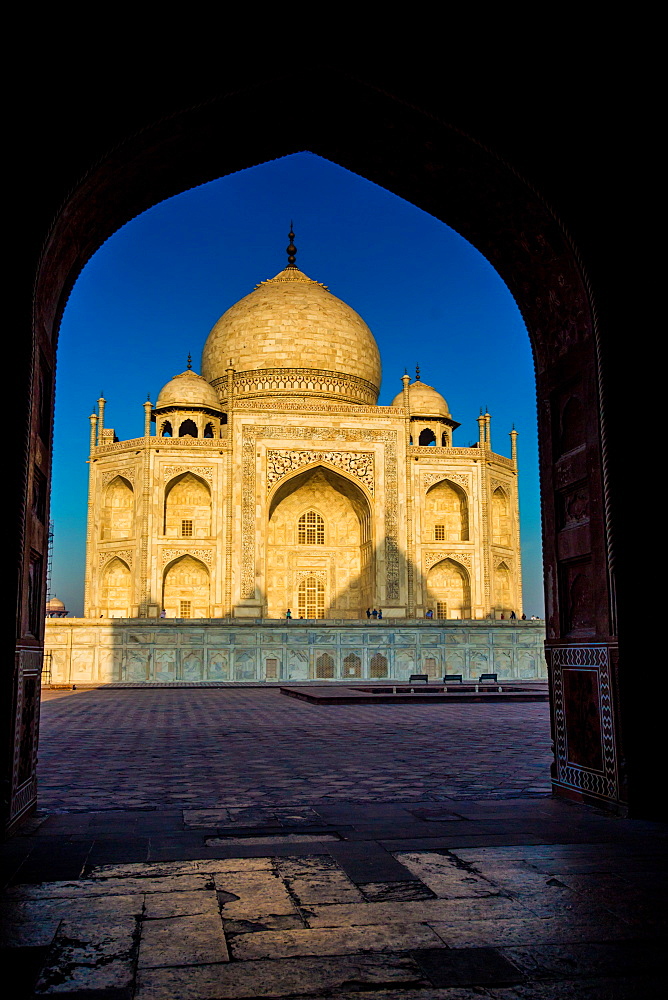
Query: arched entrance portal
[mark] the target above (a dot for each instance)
(319, 558)
(440, 169)
(449, 590)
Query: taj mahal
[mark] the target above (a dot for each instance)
(272, 484)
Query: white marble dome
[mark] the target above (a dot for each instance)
(295, 329)
(425, 401)
(188, 390)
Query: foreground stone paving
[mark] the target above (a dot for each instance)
(125, 888)
(238, 747)
(532, 921)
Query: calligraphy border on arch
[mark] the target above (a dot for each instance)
(250, 435)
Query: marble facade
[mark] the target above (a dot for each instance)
(81, 651)
(274, 481)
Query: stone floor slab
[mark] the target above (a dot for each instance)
(446, 875)
(90, 953)
(252, 896)
(207, 866)
(160, 905)
(182, 940)
(385, 892)
(334, 941)
(109, 887)
(467, 967)
(618, 958)
(647, 988)
(512, 932)
(282, 977)
(426, 910)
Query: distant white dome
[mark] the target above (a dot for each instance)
(188, 390)
(424, 401)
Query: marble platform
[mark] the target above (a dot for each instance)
(90, 651)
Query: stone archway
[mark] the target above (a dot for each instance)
(319, 540)
(413, 153)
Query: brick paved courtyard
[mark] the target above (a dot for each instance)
(210, 844)
(129, 748)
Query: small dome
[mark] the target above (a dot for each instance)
(55, 605)
(424, 401)
(291, 325)
(188, 390)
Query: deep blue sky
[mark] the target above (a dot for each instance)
(154, 290)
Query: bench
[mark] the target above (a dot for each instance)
(488, 679)
(453, 677)
(418, 677)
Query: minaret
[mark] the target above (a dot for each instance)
(147, 416)
(100, 425)
(488, 429)
(481, 431)
(93, 431)
(513, 446)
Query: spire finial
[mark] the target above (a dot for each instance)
(292, 249)
(190, 362)
(417, 373)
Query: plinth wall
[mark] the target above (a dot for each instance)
(83, 650)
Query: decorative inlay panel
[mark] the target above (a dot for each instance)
(602, 778)
(292, 381)
(250, 436)
(205, 471)
(430, 479)
(128, 474)
(431, 558)
(500, 483)
(358, 464)
(419, 451)
(204, 555)
(127, 555)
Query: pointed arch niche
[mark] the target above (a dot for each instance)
(116, 589)
(118, 510)
(449, 590)
(185, 590)
(339, 549)
(503, 589)
(501, 533)
(187, 507)
(447, 513)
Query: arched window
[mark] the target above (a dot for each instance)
(166, 430)
(378, 666)
(427, 437)
(188, 429)
(116, 590)
(311, 529)
(311, 598)
(501, 532)
(118, 511)
(352, 665)
(502, 587)
(187, 507)
(186, 589)
(324, 667)
(208, 431)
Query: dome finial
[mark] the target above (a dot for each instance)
(292, 249)
(190, 362)
(417, 373)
